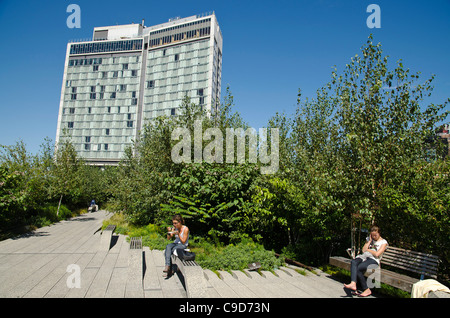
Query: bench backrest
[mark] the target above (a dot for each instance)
(416, 262)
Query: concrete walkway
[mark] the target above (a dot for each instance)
(51, 261)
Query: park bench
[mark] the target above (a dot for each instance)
(105, 241)
(407, 260)
(194, 279)
(135, 272)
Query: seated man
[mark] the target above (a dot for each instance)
(92, 207)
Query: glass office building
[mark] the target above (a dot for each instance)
(129, 74)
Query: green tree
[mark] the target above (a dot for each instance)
(65, 180)
(362, 135)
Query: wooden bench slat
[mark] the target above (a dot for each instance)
(110, 227)
(414, 269)
(400, 250)
(425, 260)
(135, 243)
(412, 261)
(430, 274)
(389, 260)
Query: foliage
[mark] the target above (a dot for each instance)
(212, 197)
(364, 149)
(31, 186)
(236, 256)
(359, 151)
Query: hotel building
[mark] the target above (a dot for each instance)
(129, 74)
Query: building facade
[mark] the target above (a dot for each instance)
(129, 74)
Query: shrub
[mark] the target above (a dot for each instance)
(236, 257)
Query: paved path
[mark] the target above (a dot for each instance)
(45, 263)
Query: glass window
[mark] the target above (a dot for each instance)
(96, 47)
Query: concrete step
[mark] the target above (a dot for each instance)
(170, 287)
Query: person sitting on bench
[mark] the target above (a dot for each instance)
(372, 252)
(181, 233)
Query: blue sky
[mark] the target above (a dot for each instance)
(271, 48)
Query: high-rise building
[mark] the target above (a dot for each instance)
(129, 74)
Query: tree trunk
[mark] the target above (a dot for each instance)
(59, 204)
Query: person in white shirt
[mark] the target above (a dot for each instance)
(372, 253)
